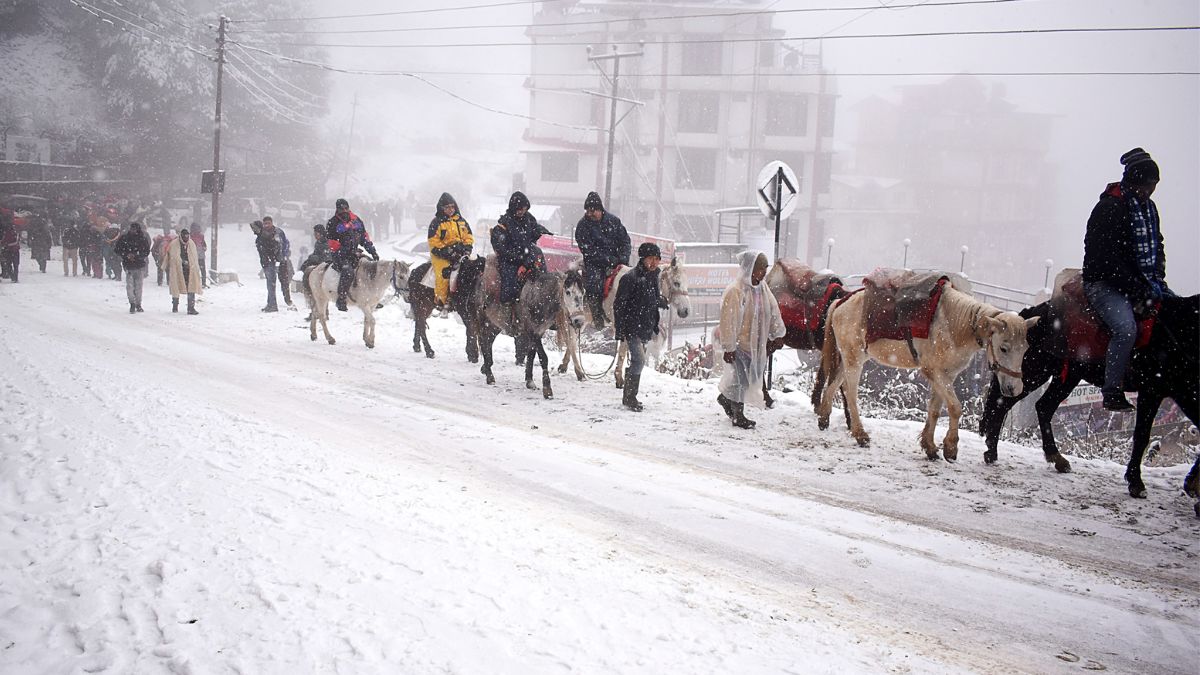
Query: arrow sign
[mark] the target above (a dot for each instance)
(776, 190)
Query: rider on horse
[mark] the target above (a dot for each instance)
(514, 239)
(450, 239)
(604, 243)
(1124, 264)
(345, 233)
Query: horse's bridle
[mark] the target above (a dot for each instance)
(993, 363)
(673, 292)
(399, 293)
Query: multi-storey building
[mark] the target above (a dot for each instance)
(718, 98)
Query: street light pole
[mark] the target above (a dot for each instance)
(216, 175)
(962, 262)
(907, 242)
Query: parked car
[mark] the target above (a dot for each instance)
(320, 214)
(185, 211)
(249, 208)
(290, 213)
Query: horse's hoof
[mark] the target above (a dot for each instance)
(822, 423)
(1061, 464)
(530, 385)
(370, 345)
(473, 359)
(580, 377)
(951, 454)
(491, 380)
(990, 456)
(333, 342)
(620, 384)
(932, 454)
(863, 441)
(313, 338)
(562, 369)
(416, 348)
(547, 394)
(1136, 492)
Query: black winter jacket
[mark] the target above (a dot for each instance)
(1109, 248)
(635, 309)
(134, 250)
(603, 243)
(513, 239)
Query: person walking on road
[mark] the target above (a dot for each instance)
(133, 247)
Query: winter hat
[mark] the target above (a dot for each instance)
(340, 203)
(593, 202)
(518, 200)
(183, 232)
(135, 227)
(1140, 169)
(649, 250)
(445, 199)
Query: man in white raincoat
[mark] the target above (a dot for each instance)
(750, 319)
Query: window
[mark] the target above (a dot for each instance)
(701, 58)
(699, 165)
(560, 167)
(787, 115)
(699, 112)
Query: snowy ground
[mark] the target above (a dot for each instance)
(219, 494)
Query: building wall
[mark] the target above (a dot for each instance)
(667, 178)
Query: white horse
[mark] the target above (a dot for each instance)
(961, 326)
(672, 285)
(372, 281)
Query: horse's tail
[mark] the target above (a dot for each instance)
(306, 286)
(831, 358)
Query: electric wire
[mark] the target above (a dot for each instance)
(642, 19)
(400, 12)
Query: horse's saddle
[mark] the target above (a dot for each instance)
(900, 304)
(803, 296)
(609, 280)
(1086, 335)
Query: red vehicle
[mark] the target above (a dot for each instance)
(561, 252)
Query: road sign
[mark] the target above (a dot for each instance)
(206, 182)
(777, 183)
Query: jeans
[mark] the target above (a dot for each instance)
(133, 285)
(270, 272)
(285, 280)
(1116, 312)
(742, 377)
(637, 357)
(71, 254)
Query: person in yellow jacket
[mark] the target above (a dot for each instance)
(450, 239)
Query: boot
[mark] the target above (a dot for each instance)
(192, 305)
(139, 308)
(132, 308)
(726, 405)
(598, 313)
(174, 304)
(739, 416)
(341, 305)
(629, 394)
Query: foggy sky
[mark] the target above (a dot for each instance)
(1097, 119)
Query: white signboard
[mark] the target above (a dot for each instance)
(767, 184)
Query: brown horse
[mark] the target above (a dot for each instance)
(960, 327)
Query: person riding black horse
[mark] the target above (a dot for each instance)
(345, 233)
(604, 243)
(1124, 265)
(514, 239)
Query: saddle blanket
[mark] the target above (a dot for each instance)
(608, 280)
(1086, 335)
(803, 296)
(900, 304)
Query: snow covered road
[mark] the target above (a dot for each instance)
(219, 494)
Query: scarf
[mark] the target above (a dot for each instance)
(1143, 216)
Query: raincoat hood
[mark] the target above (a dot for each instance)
(445, 199)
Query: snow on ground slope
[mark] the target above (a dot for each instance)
(219, 494)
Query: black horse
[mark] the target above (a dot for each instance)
(423, 302)
(1167, 367)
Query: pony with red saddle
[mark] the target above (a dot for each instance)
(902, 320)
(1067, 346)
(804, 296)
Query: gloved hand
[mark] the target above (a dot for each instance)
(729, 357)
(374, 255)
(446, 272)
(663, 303)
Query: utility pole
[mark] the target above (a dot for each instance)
(349, 142)
(614, 81)
(216, 184)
